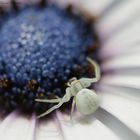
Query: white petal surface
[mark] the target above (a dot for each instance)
(124, 41)
(122, 80)
(90, 7)
(113, 123)
(124, 61)
(5, 4)
(87, 128)
(117, 18)
(94, 8)
(16, 127)
(49, 130)
(125, 108)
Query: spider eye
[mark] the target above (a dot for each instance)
(87, 101)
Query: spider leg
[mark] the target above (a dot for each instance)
(50, 110)
(57, 97)
(72, 108)
(49, 101)
(86, 82)
(97, 69)
(65, 98)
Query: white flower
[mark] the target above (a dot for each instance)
(118, 118)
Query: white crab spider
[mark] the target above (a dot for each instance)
(86, 100)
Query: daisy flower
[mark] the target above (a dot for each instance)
(117, 26)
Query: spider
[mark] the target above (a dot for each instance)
(86, 100)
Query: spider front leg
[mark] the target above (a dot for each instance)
(49, 101)
(86, 82)
(57, 100)
(65, 98)
(51, 109)
(97, 69)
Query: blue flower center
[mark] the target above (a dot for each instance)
(40, 50)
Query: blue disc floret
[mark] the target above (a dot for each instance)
(40, 50)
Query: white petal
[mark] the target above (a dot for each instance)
(122, 80)
(118, 127)
(126, 92)
(125, 109)
(48, 130)
(90, 128)
(93, 7)
(126, 41)
(120, 62)
(5, 4)
(16, 127)
(129, 48)
(117, 18)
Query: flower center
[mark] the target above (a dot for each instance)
(40, 50)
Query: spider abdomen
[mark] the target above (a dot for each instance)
(86, 101)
